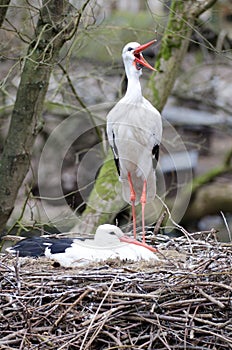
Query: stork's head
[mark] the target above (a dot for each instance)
(133, 58)
(108, 235)
(109, 229)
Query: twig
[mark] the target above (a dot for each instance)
(71, 307)
(225, 339)
(211, 298)
(159, 222)
(97, 311)
(131, 306)
(227, 226)
(181, 228)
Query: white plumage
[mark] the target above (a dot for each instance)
(134, 130)
(132, 133)
(109, 242)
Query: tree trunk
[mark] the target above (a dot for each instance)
(205, 195)
(174, 45)
(3, 10)
(56, 24)
(210, 199)
(173, 48)
(102, 205)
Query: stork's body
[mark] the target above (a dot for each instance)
(134, 129)
(109, 242)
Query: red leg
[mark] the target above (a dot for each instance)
(143, 200)
(132, 198)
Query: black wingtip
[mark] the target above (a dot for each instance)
(36, 246)
(33, 247)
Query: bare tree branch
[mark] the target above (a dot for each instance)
(56, 24)
(201, 6)
(174, 45)
(3, 10)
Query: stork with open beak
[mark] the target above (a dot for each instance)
(134, 130)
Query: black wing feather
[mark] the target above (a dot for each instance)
(36, 246)
(155, 154)
(115, 151)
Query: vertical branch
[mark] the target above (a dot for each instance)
(174, 45)
(56, 24)
(3, 10)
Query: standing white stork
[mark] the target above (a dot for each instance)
(134, 130)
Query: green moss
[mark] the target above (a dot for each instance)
(106, 183)
(174, 33)
(173, 37)
(107, 176)
(208, 177)
(156, 95)
(199, 57)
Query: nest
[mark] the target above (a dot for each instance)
(181, 302)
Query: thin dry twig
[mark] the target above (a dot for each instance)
(159, 223)
(211, 298)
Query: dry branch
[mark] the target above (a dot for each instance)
(3, 10)
(57, 23)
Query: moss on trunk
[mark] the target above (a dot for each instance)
(174, 45)
(55, 25)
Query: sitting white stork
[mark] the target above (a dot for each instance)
(109, 242)
(134, 130)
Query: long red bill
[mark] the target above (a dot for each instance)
(139, 57)
(127, 239)
(144, 46)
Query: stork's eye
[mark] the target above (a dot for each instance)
(130, 49)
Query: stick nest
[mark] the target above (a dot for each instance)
(181, 302)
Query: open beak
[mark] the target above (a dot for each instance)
(127, 239)
(139, 59)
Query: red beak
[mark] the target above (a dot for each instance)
(134, 241)
(139, 57)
